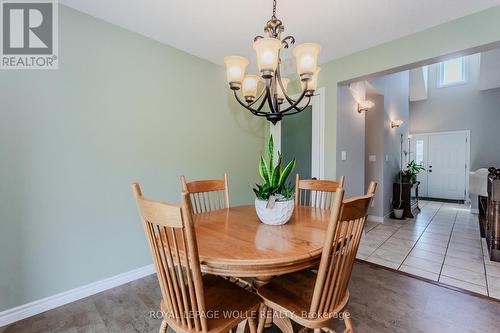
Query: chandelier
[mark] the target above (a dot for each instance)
(274, 93)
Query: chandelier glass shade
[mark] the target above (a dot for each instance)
(273, 92)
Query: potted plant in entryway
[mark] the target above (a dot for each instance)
(409, 175)
(397, 208)
(274, 200)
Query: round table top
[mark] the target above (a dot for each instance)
(233, 241)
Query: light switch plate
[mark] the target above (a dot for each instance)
(387, 158)
(343, 155)
(372, 158)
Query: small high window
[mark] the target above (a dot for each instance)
(452, 72)
(419, 154)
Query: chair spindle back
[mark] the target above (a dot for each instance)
(207, 195)
(339, 251)
(172, 242)
(316, 193)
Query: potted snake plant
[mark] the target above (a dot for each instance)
(274, 200)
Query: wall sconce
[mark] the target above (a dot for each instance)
(365, 105)
(396, 123)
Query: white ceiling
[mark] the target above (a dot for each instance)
(211, 29)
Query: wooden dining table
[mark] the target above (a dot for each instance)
(232, 242)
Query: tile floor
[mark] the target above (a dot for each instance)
(442, 244)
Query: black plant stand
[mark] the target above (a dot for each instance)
(409, 196)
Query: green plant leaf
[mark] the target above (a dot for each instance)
(257, 193)
(286, 172)
(264, 169)
(287, 191)
(270, 148)
(275, 177)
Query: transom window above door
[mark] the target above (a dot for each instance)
(452, 72)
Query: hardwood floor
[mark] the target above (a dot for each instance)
(381, 301)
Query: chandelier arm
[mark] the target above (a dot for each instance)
(263, 101)
(288, 98)
(278, 76)
(255, 101)
(287, 41)
(299, 109)
(255, 112)
(295, 103)
(269, 97)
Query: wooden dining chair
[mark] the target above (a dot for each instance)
(207, 195)
(316, 193)
(191, 302)
(314, 300)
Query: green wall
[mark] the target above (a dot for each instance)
(121, 108)
(464, 33)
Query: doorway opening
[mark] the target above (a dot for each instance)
(446, 111)
(302, 136)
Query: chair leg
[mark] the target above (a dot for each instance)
(241, 328)
(163, 327)
(283, 323)
(262, 318)
(348, 323)
(252, 325)
(327, 330)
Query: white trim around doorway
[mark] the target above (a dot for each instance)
(318, 133)
(467, 155)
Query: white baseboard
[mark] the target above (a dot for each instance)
(374, 218)
(30, 309)
(379, 219)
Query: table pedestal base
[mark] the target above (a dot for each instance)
(272, 317)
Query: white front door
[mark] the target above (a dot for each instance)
(419, 154)
(446, 171)
(445, 157)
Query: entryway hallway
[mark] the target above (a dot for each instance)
(441, 244)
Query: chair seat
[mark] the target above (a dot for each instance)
(223, 300)
(292, 294)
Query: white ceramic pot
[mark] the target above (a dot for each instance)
(398, 213)
(278, 215)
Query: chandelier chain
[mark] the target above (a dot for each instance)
(274, 9)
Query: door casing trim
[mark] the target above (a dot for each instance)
(318, 134)
(467, 155)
